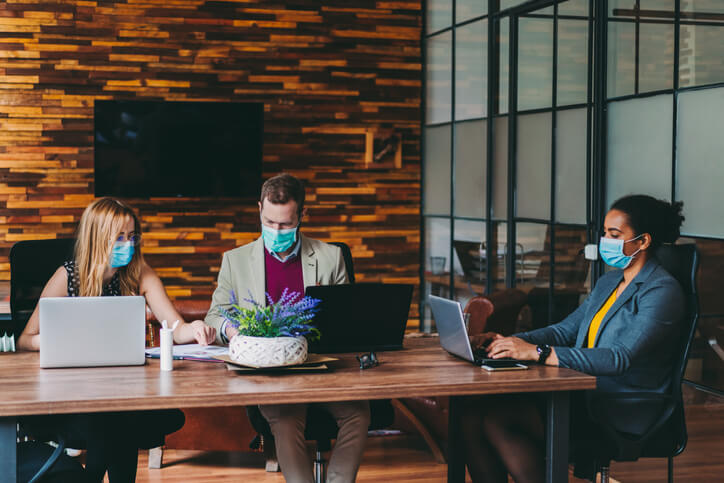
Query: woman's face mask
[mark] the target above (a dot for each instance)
(122, 254)
(611, 251)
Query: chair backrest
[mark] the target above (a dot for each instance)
(479, 308)
(32, 263)
(682, 262)
(348, 262)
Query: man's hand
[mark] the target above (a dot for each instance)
(484, 339)
(514, 348)
(203, 334)
(231, 332)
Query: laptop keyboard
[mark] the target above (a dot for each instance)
(481, 356)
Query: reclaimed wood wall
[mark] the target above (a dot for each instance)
(325, 71)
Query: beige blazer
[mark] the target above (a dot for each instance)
(242, 270)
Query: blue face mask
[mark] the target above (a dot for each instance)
(611, 251)
(121, 254)
(278, 241)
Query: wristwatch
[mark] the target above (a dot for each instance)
(544, 351)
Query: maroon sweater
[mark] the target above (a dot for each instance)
(281, 275)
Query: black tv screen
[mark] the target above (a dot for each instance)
(163, 149)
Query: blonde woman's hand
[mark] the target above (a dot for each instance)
(203, 334)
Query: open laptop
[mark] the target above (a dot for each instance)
(92, 331)
(361, 317)
(450, 325)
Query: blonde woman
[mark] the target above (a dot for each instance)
(108, 261)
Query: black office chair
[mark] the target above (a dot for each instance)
(32, 456)
(32, 263)
(347, 256)
(666, 435)
(320, 425)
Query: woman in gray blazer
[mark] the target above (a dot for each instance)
(625, 333)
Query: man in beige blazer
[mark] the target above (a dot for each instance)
(282, 258)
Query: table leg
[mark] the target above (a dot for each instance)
(557, 434)
(8, 449)
(455, 459)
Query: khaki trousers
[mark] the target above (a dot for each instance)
(287, 423)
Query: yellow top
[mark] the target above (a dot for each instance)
(598, 318)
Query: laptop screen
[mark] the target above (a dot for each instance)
(360, 317)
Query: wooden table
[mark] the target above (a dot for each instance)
(421, 369)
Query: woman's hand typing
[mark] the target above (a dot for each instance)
(514, 348)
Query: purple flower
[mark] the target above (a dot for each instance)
(289, 316)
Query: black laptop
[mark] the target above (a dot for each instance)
(360, 317)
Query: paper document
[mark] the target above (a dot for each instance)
(194, 352)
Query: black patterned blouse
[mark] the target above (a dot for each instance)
(112, 288)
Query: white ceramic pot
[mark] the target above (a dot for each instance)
(268, 351)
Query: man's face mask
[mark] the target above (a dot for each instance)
(278, 241)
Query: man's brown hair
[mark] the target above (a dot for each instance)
(283, 188)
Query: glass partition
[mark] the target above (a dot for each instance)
(470, 168)
(471, 70)
(439, 78)
(534, 166)
(436, 189)
(699, 167)
(639, 147)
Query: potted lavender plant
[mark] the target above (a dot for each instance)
(271, 335)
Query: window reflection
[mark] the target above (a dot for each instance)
(439, 78)
(535, 63)
(621, 67)
(470, 260)
(471, 70)
(656, 57)
(437, 265)
(700, 54)
(504, 62)
(436, 189)
(439, 15)
(572, 62)
(467, 9)
(470, 168)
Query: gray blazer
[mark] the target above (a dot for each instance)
(242, 270)
(637, 342)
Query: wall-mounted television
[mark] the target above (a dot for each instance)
(169, 149)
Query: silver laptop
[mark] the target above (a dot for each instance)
(450, 325)
(92, 331)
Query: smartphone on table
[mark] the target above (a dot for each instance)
(502, 365)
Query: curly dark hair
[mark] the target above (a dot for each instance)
(660, 219)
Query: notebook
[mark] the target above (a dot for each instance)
(361, 317)
(92, 331)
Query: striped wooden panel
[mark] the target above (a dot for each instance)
(325, 71)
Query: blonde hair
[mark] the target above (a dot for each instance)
(99, 227)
